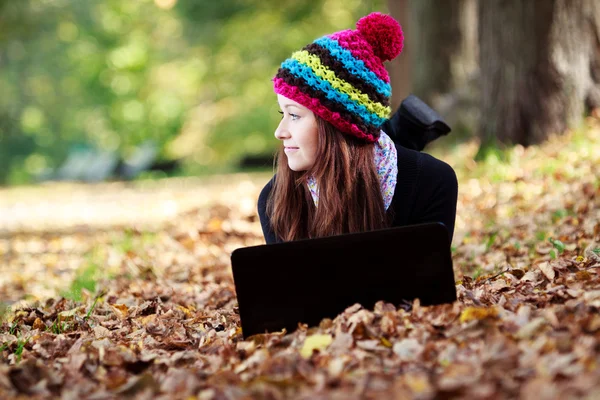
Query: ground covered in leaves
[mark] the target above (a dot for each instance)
(123, 305)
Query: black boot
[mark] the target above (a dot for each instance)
(415, 124)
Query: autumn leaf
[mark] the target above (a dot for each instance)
(38, 324)
(313, 343)
(478, 313)
(408, 349)
(385, 342)
(547, 270)
(529, 329)
(120, 309)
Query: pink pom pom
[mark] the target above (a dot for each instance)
(383, 33)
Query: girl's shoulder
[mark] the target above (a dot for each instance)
(423, 165)
(267, 188)
(264, 195)
(421, 177)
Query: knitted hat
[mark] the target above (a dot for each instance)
(341, 77)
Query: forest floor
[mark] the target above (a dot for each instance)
(125, 290)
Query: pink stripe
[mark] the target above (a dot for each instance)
(350, 40)
(294, 93)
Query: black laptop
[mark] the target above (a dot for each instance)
(280, 285)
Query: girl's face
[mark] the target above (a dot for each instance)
(298, 132)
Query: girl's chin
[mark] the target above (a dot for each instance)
(297, 168)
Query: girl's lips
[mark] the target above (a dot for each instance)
(289, 149)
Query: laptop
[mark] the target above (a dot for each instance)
(283, 284)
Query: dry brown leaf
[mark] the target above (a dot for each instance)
(529, 329)
(408, 349)
(120, 309)
(547, 270)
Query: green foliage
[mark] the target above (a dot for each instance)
(560, 214)
(540, 235)
(112, 74)
(125, 244)
(490, 241)
(20, 347)
(58, 327)
(558, 245)
(85, 279)
(132, 240)
(13, 328)
(490, 151)
(479, 271)
(91, 310)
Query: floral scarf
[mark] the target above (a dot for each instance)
(386, 161)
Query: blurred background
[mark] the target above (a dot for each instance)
(100, 90)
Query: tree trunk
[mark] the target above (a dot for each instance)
(539, 67)
(445, 51)
(401, 67)
(439, 62)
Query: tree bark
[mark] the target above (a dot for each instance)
(401, 67)
(439, 62)
(445, 53)
(539, 67)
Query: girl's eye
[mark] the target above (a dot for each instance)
(294, 116)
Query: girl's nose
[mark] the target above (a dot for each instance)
(281, 132)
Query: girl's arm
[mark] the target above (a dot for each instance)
(436, 194)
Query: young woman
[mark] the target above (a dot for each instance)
(337, 170)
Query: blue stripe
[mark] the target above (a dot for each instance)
(354, 66)
(305, 72)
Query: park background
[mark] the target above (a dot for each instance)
(100, 90)
(135, 137)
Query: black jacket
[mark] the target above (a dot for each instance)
(426, 191)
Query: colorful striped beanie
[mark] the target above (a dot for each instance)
(341, 77)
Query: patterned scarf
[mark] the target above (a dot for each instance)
(386, 161)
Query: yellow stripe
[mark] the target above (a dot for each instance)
(325, 73)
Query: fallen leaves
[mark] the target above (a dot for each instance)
(547, 270)
(531, 328)
(408, 349)
(156, 313)
(317, 342)
(478, 313)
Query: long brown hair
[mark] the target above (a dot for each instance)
(350, 197)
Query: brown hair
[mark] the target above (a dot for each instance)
(350, 197)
